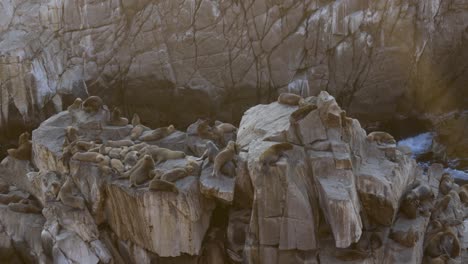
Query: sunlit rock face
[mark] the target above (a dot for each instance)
(293, 184)
(160, 58)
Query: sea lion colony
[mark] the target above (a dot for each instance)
(137, 158)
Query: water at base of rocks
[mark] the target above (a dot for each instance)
(420, 145)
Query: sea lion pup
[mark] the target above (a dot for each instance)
(272, 154)
(446, 183)
(76, 105)
(444, 242)
(179, 173)
(141, 171)
(24, 150)
(405, 238)
(130, 159)
(223, 157)
(162, 154)
(381, 138)
(25, 206)
(93, 104)
(211, 151)
(67, 197)
(163, 186)
(158, 133)
(289, 99)
(117, 119)
(119, 143)
(89, 157)
(463, 193)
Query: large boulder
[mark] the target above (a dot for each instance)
(175, 62)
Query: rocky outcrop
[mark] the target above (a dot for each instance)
(161, 58)
(450, 143)
(294, 184)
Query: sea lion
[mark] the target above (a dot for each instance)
(89, 157)
(405, 238)
(163, 186)
(93, 104)
(24, 150)
(103, 150)
(137, 131)
(81, 146)
(138, 146)
(441, 205)
(119, 143)
(178, 173)
(11, 198)
(409, 206)
(117, 165)
(162, 154)
(25, 206)
(76, 105)
(158, 133)
(443, 243)
(51, 185)
(463, 193)
(223, 128)
(114, 153)
(272, 154)
(141, 171)
(446, 183)
(381, 138)
(136, 120)
(211, 151)
(130, 159)
(223, 157)
(71, 134)
(289, 99)
(117, 119)
(300, 113)
(67, 197)
(204, 131)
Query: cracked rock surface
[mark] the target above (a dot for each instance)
(393, 57)
(306, 184)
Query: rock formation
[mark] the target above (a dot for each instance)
(225, 56)
(327, 194)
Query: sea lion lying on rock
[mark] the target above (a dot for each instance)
(158, 133)
(163, 186)
(24, 150)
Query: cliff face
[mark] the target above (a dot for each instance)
(159, 58)
(296, 184)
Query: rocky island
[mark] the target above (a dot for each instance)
(298, 182)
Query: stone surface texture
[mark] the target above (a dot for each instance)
(160, 58)
(334, 195)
